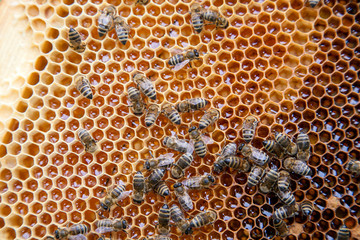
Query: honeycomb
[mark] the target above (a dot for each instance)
(294, 67)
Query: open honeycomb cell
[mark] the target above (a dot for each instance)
(294, 67)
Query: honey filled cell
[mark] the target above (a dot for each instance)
(294, 67)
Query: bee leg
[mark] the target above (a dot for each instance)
(117, 204)
(190, 64)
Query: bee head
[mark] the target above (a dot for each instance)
(211, 178)
(104, 206)
(193, 128)
(188, 231)
(276, 221)
(57, 234)
(241, 146)
(147, 165)
(125, 224)
(176, 185)
(196, 53)
(217, 168)
(165, 140)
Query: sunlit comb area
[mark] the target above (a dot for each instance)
(292, 66)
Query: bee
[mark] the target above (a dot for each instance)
(215, 17)
(178, 168)
(199, 144)
(142, 2)
(286, 211)
(76, 231)
(164, 220)
(191, 104)
(353, 166)
(180, 145)
(297, 166)
(227, 151)
(158, 237)
(313, 3)
(83, 86)
(108, 225)
(196, 13)
(255, 156)
(200, 182)
(255, 175)
(106, 20)
(274, 148)
(285, 142)
(344, 233)
(287, 197)
(145, 85)
(281, 227)
(105, 238)
(178, 217)
(163, 161)
(152, 114)
(179, 61)
(162, 189)
(183, 197)
(237, 163)
(249, 127)
(171, 113)
(137, 103)
(303, 146)
(284, 180)
(87, 140)
(75, 41)
(122, 29)
(210, 116)
(155, 176)
(115, 194)
(202, 219)
(139, 187)
(306, 208)
(270, 178)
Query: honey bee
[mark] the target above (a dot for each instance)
(115, 194)
(199, 144)
(255, 175)
(75, 41)
(145, 85)
(87, 140)
(170, 112)
(353, 166)
(297, 166)
(255, 156)
(200, 182)
(155, 176)
(83, 86)
(164, 220)
(142, 2)
(180, 145)
(285, 142)
(137, 103)
(179, 61)
(106, 20)
(139, 187)
(227, 151)
(313, 3)
(215, 17)
(162, 189)
(152, 114)
(270, 178)
(178, 217)
(210, 117)
(286, 211)
(191, 104)
(238, 163)
(178, 168)
(196, 13)
(202, 219)
(284, 181)
(343, 233)
(306, 208)
(122, 29)
(158, 237)
(163, 161)
(108, 225)
(76, 231)
(104, 238)
(274, 148)
(183, 197)
(303, 146)
(281, 227)
(249, 127)
(287, 197)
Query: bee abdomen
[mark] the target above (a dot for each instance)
(117, 191)
(176, 59)
(197, 22)
(162, 189)
(102, 30)
(204, 123)
(184, 161)
(79, 229)
(200, 148)
(150, 92)
(306, 207)
(344, 233)
(123, 35)
(74, 35)
(248, 135)
(210, 16)
(139, 181)
(149, 119)
(175, 117)
(255, 176)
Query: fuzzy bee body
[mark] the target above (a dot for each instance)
(114, 195)
(76, 229)
(196, 14)
(281, 227)
(164, 220)
(238, 163)
(155, 177)
(216, 18)
(171, 113)
(255, 175)
(106, 20)
(343, 233)
(199, 145)
(177, 216)
(163, 161)
(255, 156)
(178, 168)
(306, 208)
(284, 181)
(75, 41)
(108, 225)
(219, 165)
(287, 197)
(200, 182)
(145, 85)
(303, 146)
(139, 187)
(183, 197)
(297, 166)
(270, 178)
(178, 61)
(210, 117)
(137, 104)
(249, 128)
(87, 140)
(122, 30)
(162, 189)
(202, 219)
(353, 166)
(142, 2)
(191, 104)
(152, 114)
(176, 144)
(83, 86)
(284, 141)
(274, 148)
(227, 151)
(286, 211)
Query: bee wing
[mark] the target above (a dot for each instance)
(191, 146)
(181, 65)
(124, 195)
(121, 182)
(166, 161)
(104, 229)
(175, 51)
(207, 140)
(167, 155)
(77, 237)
